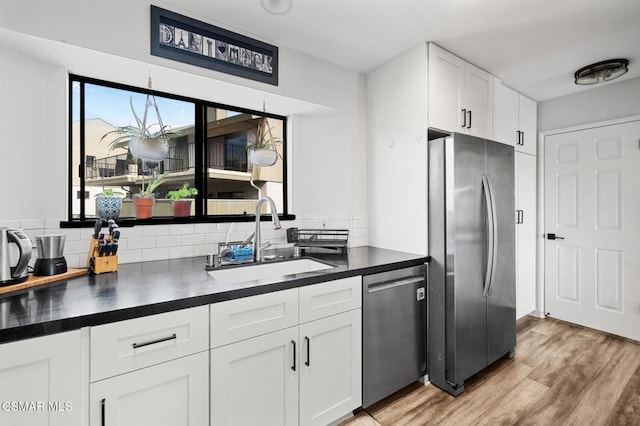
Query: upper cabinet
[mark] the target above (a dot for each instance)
(515, 119)
(460, 95)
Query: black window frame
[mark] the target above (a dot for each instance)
(200, 175)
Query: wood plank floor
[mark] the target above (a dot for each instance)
(562, 374)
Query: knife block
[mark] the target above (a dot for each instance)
(100, 264)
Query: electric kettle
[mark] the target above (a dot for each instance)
(15, 253)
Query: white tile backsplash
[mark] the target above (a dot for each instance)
(150, 254)
(141, 242)
(181, 229)
(160, 242)
(191, 239)
(155, 230)
(168, 240)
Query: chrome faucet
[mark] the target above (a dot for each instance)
(257, 249)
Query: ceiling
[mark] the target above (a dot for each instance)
(534, 46)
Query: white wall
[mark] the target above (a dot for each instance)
(324, 101)
(33, 122)
(614, 100)
(397, 154)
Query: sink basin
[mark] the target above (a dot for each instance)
(263, 271)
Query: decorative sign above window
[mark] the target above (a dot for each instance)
(194, 42)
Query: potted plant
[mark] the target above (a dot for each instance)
(181, 201)
(108, 204)
(263, 151)
(144, 200)
(142, 141)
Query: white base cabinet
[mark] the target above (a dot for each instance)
(41, 381)
(308, 374)
(525, 172)
(255, 381)
(172, 393)
(331, 368)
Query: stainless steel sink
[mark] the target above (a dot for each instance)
(267, 271)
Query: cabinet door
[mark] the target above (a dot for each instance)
(255, 382)
(44, 376)
(331, 370)
(528, 116)
(446, 81)
(477, 98)
(173, 393)
(505, 114)
(525, 234)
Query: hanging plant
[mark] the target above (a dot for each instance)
(150, 143)
(263, 151)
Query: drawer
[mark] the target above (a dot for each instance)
(129, 345)
(330, 298)
(248, 317)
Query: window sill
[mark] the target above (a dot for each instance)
(168, 220)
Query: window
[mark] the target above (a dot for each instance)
(207, 147)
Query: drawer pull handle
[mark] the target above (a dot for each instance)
(153, 342)
(308, 361)
(102, 410)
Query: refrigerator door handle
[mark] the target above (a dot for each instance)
(492, 229)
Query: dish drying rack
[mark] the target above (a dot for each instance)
(332, 239)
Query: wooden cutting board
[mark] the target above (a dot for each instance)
(36, 281)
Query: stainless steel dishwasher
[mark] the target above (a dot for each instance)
(394, 322)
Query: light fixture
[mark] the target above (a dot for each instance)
(277, 7)
(602, 71)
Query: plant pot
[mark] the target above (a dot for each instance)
(181, 208)
(263, 157)
(144, 206)
(108, 207)
(150, 149)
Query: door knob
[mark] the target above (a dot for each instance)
(554, 237)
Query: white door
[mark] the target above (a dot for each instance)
(172, 393)
(41, 381)
(525, 172)
(592, 200)
(331, 370)
(255, 381)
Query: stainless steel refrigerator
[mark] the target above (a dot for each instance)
(472, 293)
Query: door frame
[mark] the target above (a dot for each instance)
(540, 311)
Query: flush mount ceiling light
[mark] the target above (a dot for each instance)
(277, 7)
(602, 71)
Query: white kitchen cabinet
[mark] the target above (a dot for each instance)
(525, 172)
(172, 393)
(514, 119)
(331, 367)
(255, 381)
(460, 95)
(241, 319)
(330, 298)
(124, 346)
(306, 374)
(41, 381)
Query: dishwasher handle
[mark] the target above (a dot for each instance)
(385, 285)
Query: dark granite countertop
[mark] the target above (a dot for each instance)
(140, 289)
